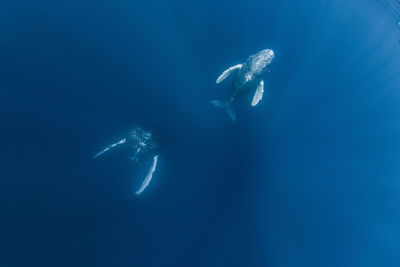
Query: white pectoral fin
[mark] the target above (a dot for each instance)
(109, 147)
(259, 94)
(149, 175)
(228, 72)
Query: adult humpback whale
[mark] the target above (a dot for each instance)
(141, 145)
(248, 77)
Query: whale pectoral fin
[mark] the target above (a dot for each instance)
(110, 147)
(228, 72)
(149, 175)
(259, 94)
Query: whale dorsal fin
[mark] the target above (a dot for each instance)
(227, 72)
(259, 94)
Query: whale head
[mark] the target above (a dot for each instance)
(143, 143)
(258, 63)
(267, 56)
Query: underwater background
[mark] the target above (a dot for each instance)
(309, 177)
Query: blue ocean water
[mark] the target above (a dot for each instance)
(309, 177)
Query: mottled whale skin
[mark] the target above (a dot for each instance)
(141, 145)
(247, 77)
(252, 71)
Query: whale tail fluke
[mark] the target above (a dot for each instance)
(227, 106)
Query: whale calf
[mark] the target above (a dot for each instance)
(247, 77)
(141, 145)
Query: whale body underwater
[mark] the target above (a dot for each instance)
(247, 77)
(142, 145)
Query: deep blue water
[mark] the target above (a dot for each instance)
(310, 177)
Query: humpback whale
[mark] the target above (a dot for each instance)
(248, 76)
(141, 145)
